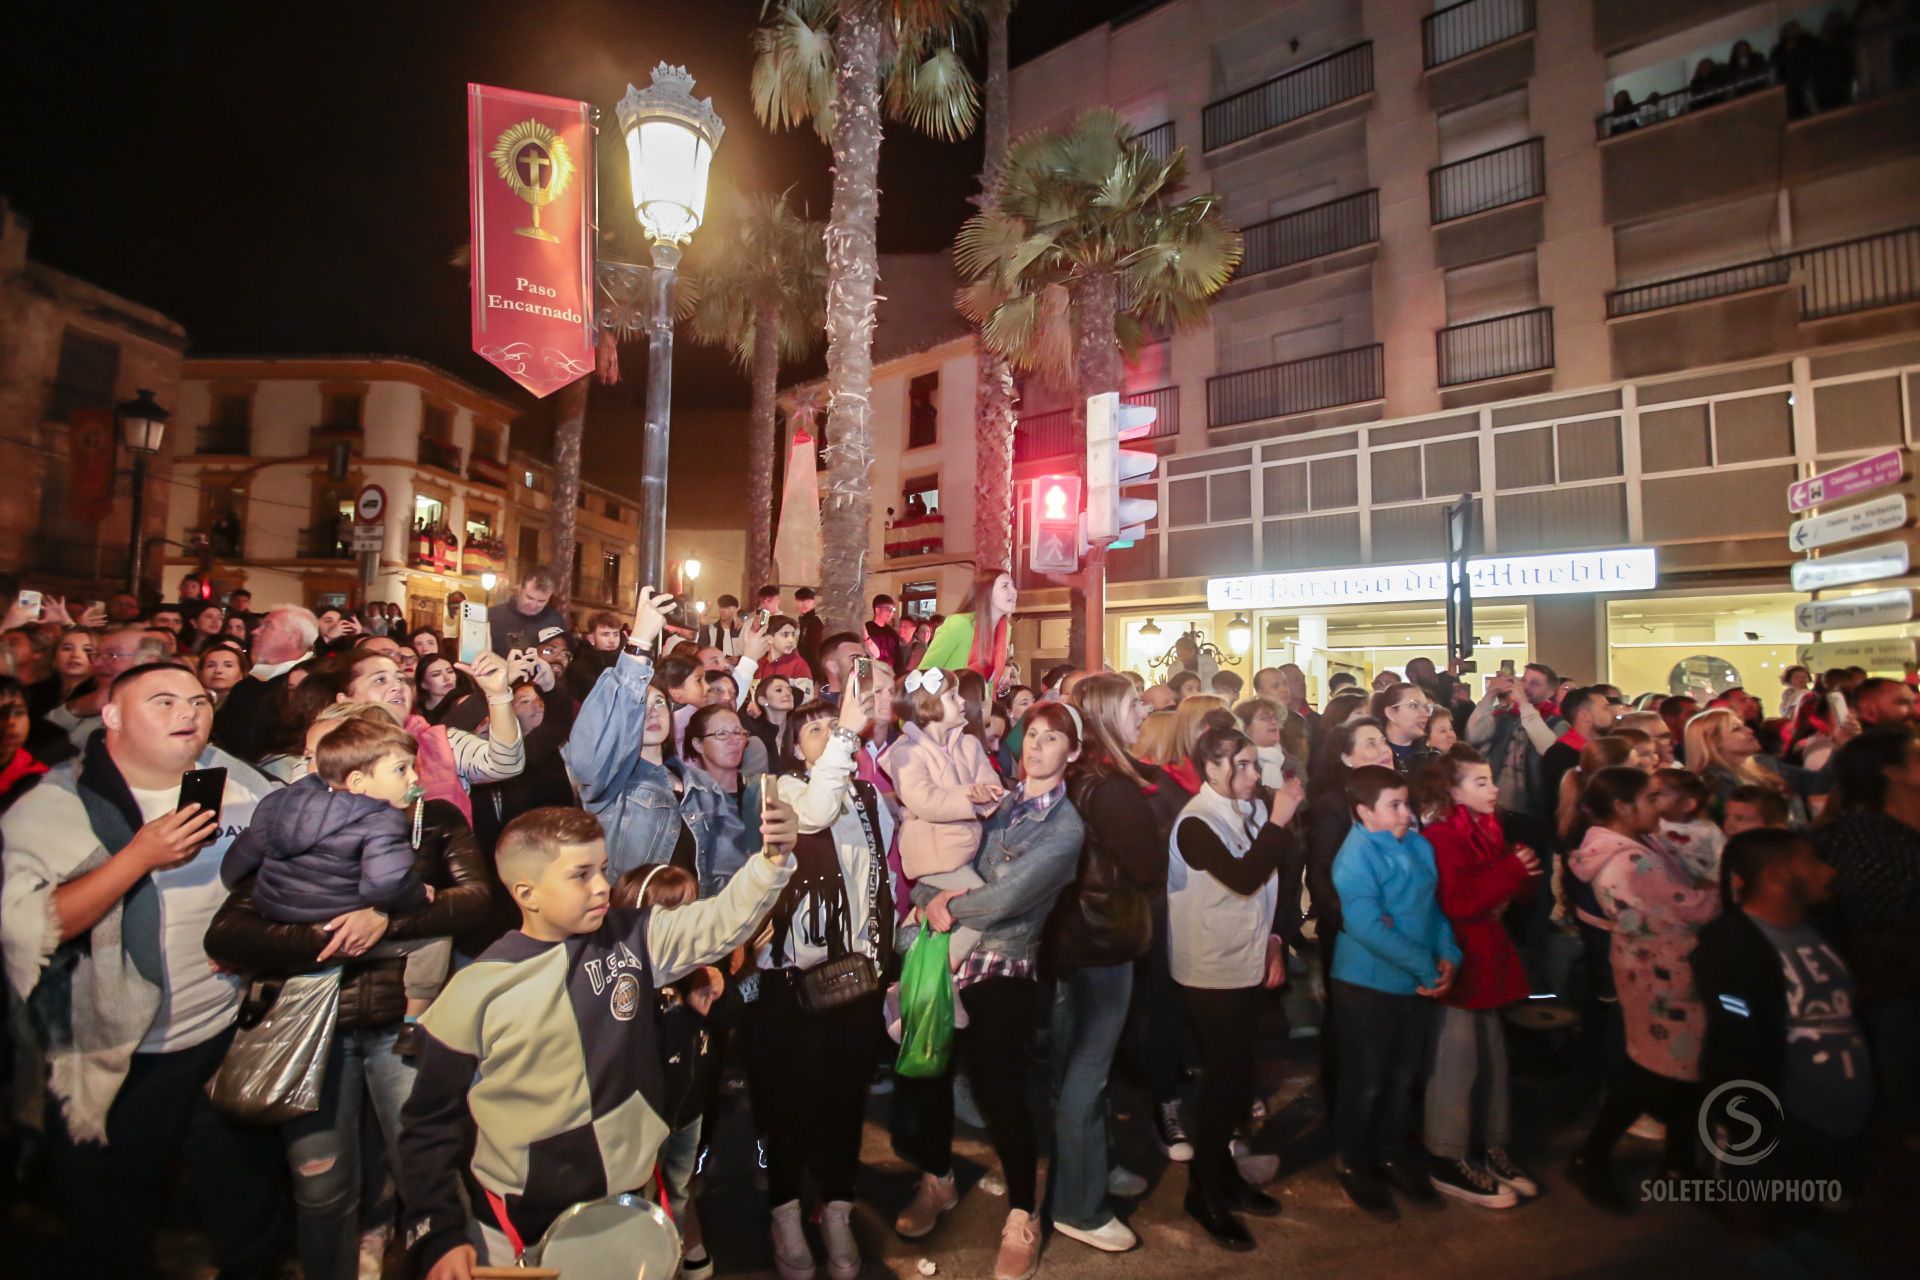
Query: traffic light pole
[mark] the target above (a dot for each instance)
(1096, 593)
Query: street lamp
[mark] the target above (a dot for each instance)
(143, 424)
(1239, 633)
(488, 581)
(692, 569)
(670, 136)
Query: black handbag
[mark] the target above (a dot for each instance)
(848, 975)
(1112, 921)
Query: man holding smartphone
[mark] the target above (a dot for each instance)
(110, 884)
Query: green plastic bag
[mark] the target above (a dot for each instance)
(926, 1008)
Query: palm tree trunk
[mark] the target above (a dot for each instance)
(852, 264)
(568, 430)
(1097, 368)
(993, 416)
(763, 440)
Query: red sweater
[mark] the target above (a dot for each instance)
(1479, 875)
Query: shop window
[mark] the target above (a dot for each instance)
(1853, 416)
(923, 411)
(89, 369)
(920, 496)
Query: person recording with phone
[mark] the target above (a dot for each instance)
(110, 884)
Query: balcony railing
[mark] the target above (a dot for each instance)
(1488, 181)
(1159, 141)
(212, 438)
(487, 471)
(1659, 107)
(324, 543)
(1311, 233)
(1297, 386)
(1472, 25)
(1053, 434)
(439, 453)
(1302, 91)
(916, 536)
(1496, 348)
(1165, 402)
(1835, 279)
(73, 558)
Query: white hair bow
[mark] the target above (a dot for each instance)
(932, 680)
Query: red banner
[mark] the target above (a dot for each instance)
(530, 178)
(90, 465)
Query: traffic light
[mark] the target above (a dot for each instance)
(1053, 535)
(1111, 517)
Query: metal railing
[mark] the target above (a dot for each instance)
(439, 453)
(1471, 25)
(221, 439)
(1665, 106)
(1165, 402)
(1310, 233)
(1297, 386)
(1489, 180)
(324, 543)
(1052, 434)
(76, 558)
(1496, 348)
(1311, 87)
(1835, 279)
(1158, 141)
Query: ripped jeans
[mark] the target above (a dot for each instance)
(323, 1149)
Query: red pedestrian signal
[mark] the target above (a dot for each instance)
(1053, 538)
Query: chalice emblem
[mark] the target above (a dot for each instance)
(534, 161)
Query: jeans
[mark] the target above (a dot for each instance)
(1223, 1023)
(1383, 1042)
(1089, 1013)
(323, 1149)
(679, 1154)
(112, 1194)
(1467, 1078)
(993, 1049)
(809, 1075)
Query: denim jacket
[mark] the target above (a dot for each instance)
(634, 798)
(1025, 866)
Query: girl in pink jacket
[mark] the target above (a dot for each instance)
(945, 784)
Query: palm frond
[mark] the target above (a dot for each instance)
(793, 68)
(934, 92)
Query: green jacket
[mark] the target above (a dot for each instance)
(952, 645)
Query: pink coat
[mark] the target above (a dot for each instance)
(940, 828)
(1657, 910)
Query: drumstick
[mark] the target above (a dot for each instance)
(515, 1273)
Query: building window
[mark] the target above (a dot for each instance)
(610, 570)
(529, 550)
(89, 367)
(612, 509)
(486, 442)
(341, 410)
(428, 512)
(436, 422)
(919, 599)
(232, 411)
(528, 480)
(921, 496)
(923, 411)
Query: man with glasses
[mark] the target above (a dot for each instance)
(1589, 713)
(119, 650)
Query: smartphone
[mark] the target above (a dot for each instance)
(204, 787)
(30, 603)
(863, 673)
(476, 633)
(1836, 703)
(752, 801)
(1506, 666)
(760, 619)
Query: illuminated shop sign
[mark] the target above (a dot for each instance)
(1558, 574)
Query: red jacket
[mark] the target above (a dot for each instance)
(1479, 875)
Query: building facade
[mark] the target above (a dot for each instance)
(70, 352)
(606, 552)
(1621, 270)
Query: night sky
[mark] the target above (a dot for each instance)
(283, 186)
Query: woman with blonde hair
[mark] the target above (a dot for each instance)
(1724, 750)
(1155, 741)
(1191, 718)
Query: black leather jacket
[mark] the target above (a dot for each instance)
(372, 992)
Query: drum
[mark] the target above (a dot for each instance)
(623, 1237)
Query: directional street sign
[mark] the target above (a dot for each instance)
(1874, 655)
(1848, 568)
(1880, 515)
(1880, 471)
(1848, 613)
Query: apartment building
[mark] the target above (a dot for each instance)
(1621, 269)
(606, 560)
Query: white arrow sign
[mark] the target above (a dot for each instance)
(1875, 609)
(1846, 568)
(1881, 515)
(1874, 655)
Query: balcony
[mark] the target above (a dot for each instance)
(1158, 141)
(78, 560)
(1165, 403)
(916, 536)
(1489, 180)
(1314, 86)
(1053, 434)
(1297, 386)
(1470, 26)
(1496, 348)
(439, 453)
(223, 440)
(484, 470)
(1857, 275)
(326, 542)
(1346, 223)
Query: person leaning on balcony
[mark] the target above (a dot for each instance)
(963, 640)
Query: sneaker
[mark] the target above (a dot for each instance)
(1126, 1184)
(965, 1109)
(1019, 1248)
(933, 1197)
(373, 1251)
(836, 1232)
(1501, 1166)
(697, 1268)
(1366, 1190)
(1649, 1128)
(1171, 1133)
(1466, 1181)
(792, 1255)
(1111, 1236)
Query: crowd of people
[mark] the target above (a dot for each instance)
(563, 889)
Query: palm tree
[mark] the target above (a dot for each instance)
(993, 401)
(837, 63)
(760, 292)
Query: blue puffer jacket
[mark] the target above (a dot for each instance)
(1392, 931)
(1025, 866)
(322, 852)
(634, 798)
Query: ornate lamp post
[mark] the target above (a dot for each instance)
(671, 136)
(143, 425)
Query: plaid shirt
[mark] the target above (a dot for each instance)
(1030, 808)
(981, 965)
